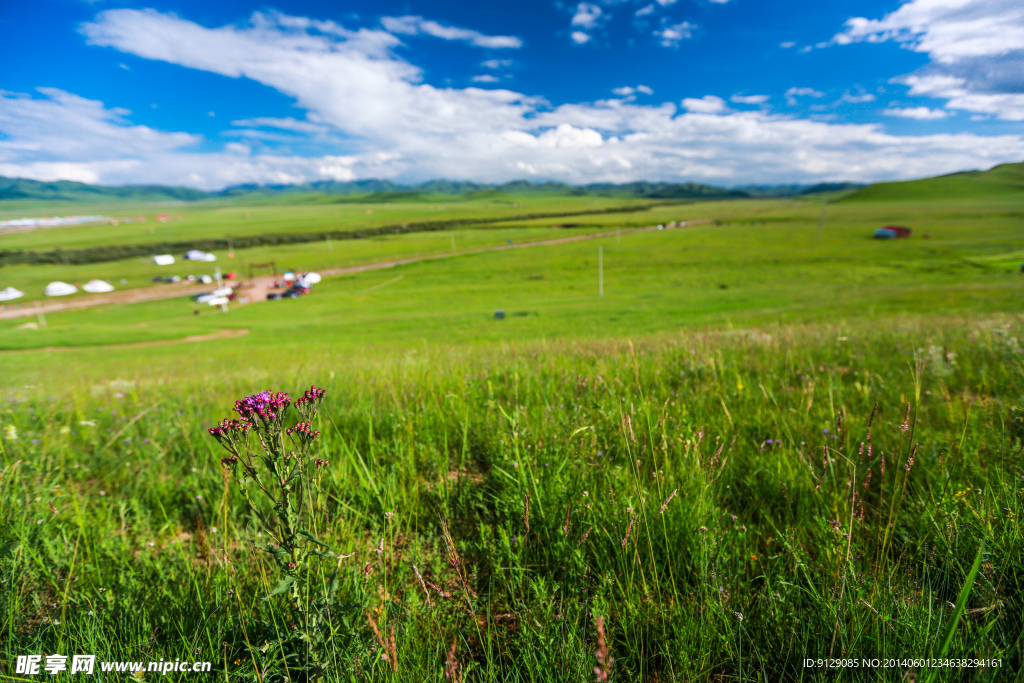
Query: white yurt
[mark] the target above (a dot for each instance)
(59, 289)
(97, 287)
(197, 255)
(10, 294)
(309, 279)
(223, 291)
(163, 259)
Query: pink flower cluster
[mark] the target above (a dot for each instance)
(303, 430)
(264, 405)
(311, 398)
(226, 427)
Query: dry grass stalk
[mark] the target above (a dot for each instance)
(452, 668)
(456, 562)
(424, 585)
(628, 530)
(604, 659)
(565, 527)
(667, 500)
(390, 651)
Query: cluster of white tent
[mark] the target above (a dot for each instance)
(197, 255)
(307, 280)
(190, 255)
(59, 288)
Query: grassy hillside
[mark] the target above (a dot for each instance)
(1002, 181)
(762, 444)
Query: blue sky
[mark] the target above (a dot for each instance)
(727, 92)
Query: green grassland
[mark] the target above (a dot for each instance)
(769, 440)
(305, 213)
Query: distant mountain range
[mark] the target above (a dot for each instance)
(22, 188)
(373, 190)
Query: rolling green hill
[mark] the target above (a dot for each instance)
(1002, 181)
(66, 190)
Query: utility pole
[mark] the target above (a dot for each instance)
(600, 271)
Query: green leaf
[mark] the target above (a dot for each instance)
(282, 585)
(958, 610)
(305, 534)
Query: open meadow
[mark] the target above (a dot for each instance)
(700, 453)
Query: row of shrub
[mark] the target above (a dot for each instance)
(117, 252)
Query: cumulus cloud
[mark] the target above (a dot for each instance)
(709, 104)
(628, 91)
(749, 99)
(787, 44)
(978, 42)
(413, 25)
(793, 93)
(958, 95)
(645, 10)
(948, 30)
(586, 15)
(918, 113)
(496, 63)
(670, 35)
(579, 37)
(485, 78)
(371, 115)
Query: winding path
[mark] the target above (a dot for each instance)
(258, 290)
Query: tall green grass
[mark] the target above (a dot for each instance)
(715, 498)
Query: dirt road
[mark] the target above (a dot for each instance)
(262, 285)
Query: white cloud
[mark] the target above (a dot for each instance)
(627, 91)
(709, 104)
(485, 78)
(749, 99)
(857, 99)
(666, 3)
(670, 35)
(787, 44)
(977, 43)
(586, 15)
(579, 37)
(68, 127)
(368, 114)
(918, 113)
(953, 89)
(793, 93)
(948, 30)
(496, 63)
(413, 25)
(645, 10)
(720, 2)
